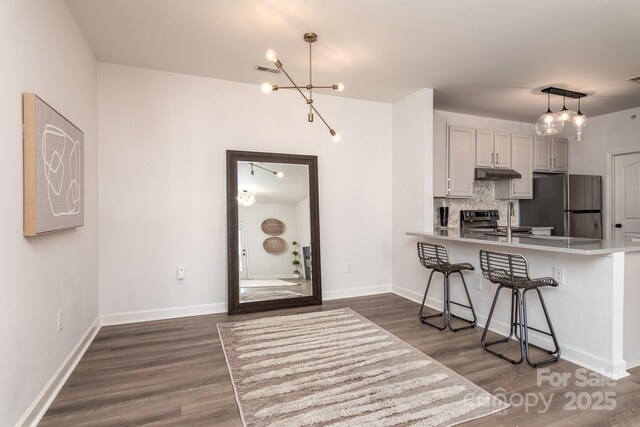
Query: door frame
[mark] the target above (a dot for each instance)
(610, 219)
(243, 236)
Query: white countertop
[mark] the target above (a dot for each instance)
(567, 245)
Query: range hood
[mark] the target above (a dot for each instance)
(489, 174)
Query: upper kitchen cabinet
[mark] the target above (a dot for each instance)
(521, 161)
(503, 150)
(454, 154)
(550, 155)
(493, 149)
(462, 154)
(560, 155)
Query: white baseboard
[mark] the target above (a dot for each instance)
(585, 359)
(162, 313)
(39, 407)
(356, 292)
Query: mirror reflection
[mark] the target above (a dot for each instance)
(274, 231)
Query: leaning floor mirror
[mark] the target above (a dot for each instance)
(273, 231)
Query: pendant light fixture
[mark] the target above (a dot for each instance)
(268, 87)
(579, 121)
(565, 114)
(549, 123)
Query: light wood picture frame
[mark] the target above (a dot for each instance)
(53, 169)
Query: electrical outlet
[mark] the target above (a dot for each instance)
(477, 284)
(180, 274)
(349, 268)
(59, 320)
(558, 274)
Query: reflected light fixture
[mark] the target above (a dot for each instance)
(279, 174)
(268, 87)
(550, 124)
(246, 198)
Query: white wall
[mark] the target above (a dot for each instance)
(260, 263)
(604, 135)
(163, 138)
(42, 51)
(412, 183)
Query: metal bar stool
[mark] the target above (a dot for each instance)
(511, 271)
(436, 258)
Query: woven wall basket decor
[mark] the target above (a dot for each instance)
(275, 245)
(272, 227)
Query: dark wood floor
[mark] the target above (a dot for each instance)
(173, 372)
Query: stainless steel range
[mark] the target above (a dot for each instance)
(485, 222)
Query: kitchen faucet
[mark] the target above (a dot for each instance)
(510, 213)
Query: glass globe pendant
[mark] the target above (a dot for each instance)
(565, 114)
(549, 123)
(579, 122)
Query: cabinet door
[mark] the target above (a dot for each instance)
(503, 150)
(439, 156)
(462, 148)
(560, 156)
(484, 149)
(542, 154)
(522, 188)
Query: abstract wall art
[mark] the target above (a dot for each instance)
(53, 169)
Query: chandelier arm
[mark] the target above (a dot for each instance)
(263, 168)
(294, 84)
(314, 87)
(321, 118)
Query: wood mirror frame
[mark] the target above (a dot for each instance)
(233, 273)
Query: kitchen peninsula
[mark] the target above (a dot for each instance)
(594, 310)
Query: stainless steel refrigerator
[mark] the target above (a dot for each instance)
(571, 204)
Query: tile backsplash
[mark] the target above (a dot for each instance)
(484, 197)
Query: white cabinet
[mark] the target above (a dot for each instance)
(493, 149)
(521, 161)
(440, 167)
(503, 157)
(559, 155)
(551, 155)
(462, 153)
(454, 151)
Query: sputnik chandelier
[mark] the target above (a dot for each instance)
(551, 123)
(268, 87)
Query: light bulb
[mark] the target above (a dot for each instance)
(266, 87)
(340, 87)
(280, 174)
(271, 55)
(336, 137)
(548, 118)
(565, 115)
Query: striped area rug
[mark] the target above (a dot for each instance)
(336, 368)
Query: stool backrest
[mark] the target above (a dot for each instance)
(501, 267)
(432, 255)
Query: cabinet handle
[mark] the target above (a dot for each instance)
(448, 185)
(554, 163)
(492, 158)
(497, 158)
(513, 186)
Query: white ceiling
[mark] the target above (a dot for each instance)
(486, 57)
(268, 188)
